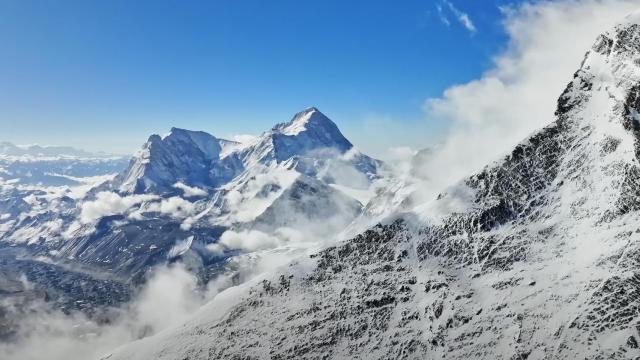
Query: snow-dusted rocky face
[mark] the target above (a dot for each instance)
(533, 257)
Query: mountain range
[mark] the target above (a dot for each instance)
(533, 257)
(185, 197)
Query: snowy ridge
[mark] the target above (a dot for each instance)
(533, 257)
(202, 160)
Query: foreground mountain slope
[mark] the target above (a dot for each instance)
(534, 257)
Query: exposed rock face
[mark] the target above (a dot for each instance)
(534, 257)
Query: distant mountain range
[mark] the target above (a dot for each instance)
(10, 149)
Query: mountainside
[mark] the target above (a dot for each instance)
(534, 257)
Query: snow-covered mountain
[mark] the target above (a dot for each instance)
(182, 192)
(310, 144)
(183, 156)
(534, 257)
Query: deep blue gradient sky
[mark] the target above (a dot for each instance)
(103, 75)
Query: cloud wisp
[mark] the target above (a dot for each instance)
(446, 8)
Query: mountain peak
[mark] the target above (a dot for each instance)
(308, 130)
(304, 120)
(175, 131)
(619, 44)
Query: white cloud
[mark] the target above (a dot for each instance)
(462, 17)
(177, 207)
(215, 249)
(488, 116)
(72, 230)
(110, 203)
(400, 159)
(187, 223)
(244, 138)
(189, 191)
(248, 240)
(169, 297)
(443, 18)
(254, 240)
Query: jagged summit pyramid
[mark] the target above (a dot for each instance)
(534, 257)
(314, 128)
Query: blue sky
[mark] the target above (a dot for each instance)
(103, 75)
